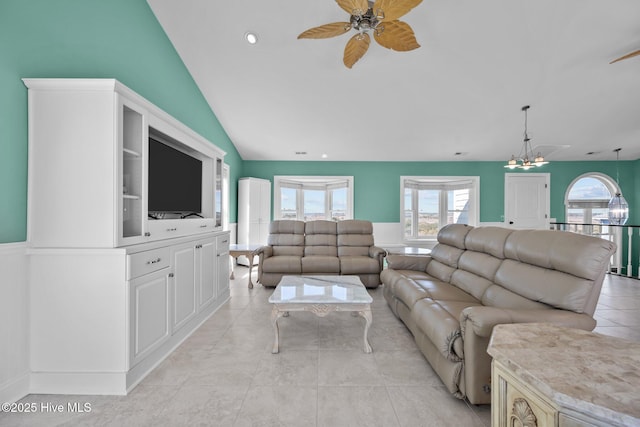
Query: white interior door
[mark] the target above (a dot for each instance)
(526, 200)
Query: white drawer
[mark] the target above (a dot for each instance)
(169, 228)
(222, 244)
(147, 262)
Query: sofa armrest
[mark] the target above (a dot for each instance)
(265, 251)
(375, 252)
(482, 319)
(408, 262)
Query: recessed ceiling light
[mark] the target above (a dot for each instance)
(324, 156)
(251, 38)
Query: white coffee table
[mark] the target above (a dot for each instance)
(321, 295)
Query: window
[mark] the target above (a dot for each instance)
(429, 203)
(308, 198)
(587, 199)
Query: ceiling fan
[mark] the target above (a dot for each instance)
(627, 56)
(381, 18)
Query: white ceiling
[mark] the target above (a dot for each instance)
(462, 91)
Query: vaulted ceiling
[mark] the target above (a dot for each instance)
(456, 98)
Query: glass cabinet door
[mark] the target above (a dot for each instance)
(132, 167)
(219, 194)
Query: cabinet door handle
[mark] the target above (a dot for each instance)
(154, 261)
(170, 274)
(147, 234)
(171, 229)
(204, 226)
(224, 241)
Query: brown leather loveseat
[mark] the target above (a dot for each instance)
(476, 278)
(320, 247)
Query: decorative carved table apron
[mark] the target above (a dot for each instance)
(321, 295)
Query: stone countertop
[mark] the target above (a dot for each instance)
(578, 370)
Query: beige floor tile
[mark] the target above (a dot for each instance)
(291, 367)
(348, 368)
(431, 405)
(365, 406)
(294, 406)
(225, 374)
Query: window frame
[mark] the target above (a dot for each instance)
(589, 205)
(443, 208)
(312, 182)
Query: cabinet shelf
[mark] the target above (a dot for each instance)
(130, 154)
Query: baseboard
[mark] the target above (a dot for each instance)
(79, 383)
(16, 389)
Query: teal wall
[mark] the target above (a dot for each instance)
(122, 39)
(377, 184)
(118, 39)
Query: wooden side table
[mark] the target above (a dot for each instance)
(249, 251)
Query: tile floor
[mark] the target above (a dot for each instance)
(225, 374)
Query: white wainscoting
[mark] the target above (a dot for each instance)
(14, 322)
(387, 234)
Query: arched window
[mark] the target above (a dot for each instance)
(587, 199)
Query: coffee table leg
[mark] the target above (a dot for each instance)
(250, 270)
(366, 313)
(232, 261)
(275, 315)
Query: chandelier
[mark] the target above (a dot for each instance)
(618, 206)
(526, 160)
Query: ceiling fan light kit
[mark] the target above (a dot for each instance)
(526, 159)
(380, 18)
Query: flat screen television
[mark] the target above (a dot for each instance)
(175, 180)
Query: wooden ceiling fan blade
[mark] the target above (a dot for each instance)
(351, 6)
(326, 31)
(397, 35)
(630, 55)
(356, 47)
(394, 9)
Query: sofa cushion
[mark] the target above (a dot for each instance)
(283, 264)
(359, 265)
(392, 278)
(355, 237)
(454, 235)
(489, 240)
(439, 290)
(558, 250)
(470, 283)
(409, 292)
(539, 284)
(447, 255)
(497, 296)
(440, 271)
(476, 272)
(320, 264)
(320, 238)
(286, 237)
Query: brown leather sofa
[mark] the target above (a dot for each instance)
(476, 278)
(320, 247)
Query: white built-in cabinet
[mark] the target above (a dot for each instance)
(254, 212)
(112, 290)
